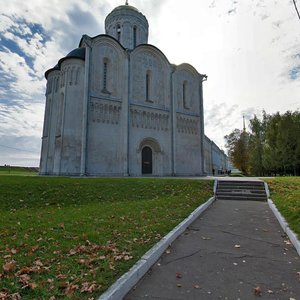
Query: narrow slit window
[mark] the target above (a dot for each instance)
(134, 36)
(119, 33)
(148, 87)
(184, 95)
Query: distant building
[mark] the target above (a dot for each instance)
(116, 106)
(214, 158)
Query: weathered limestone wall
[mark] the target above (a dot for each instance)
(187, 121)
(69, 125)
(108, 109)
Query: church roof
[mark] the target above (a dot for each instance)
(78, 53)
(128, 7)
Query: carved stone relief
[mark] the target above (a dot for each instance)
(187, 125)
(104, 112)
(149, 120)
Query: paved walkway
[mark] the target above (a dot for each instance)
(233, 248)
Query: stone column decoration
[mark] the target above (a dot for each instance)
(87, 44)
(203, 77)
(173, 124)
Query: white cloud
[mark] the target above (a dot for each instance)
(247, 48)
(23, 80)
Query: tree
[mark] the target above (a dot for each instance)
(256, 144)
(237, 143)
(271, 147)
(288, 141)
(271, 157)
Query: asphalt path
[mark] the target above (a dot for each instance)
(235, 250)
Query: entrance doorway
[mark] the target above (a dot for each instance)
(147, 160)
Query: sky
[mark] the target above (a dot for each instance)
(250, 50)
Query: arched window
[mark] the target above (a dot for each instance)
(118, 33)
(134, 36)
(148, 86)
(184, 95)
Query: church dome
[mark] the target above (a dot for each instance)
(129, 7)
(78, 53)
(127, 25)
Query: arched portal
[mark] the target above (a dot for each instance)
(147, 160)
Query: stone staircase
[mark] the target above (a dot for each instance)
(241, 190)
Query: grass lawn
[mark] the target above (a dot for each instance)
(285, 193)
(73, 237)
(20, 171)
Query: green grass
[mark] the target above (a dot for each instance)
(64, 237)
(285, 193)
(20, 171)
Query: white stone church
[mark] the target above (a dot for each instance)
(116, 106)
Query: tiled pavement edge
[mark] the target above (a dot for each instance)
(123, 285)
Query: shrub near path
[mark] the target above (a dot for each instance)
(285, 193)
(72, 238)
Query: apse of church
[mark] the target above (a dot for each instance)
(115, 106)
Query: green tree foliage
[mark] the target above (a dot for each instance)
(237, 143)
(271, 147)
(256, 144)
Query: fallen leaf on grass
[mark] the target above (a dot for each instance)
(70, 289)
(38, 263)
(257, 291)
(88, 287)
(15, 296)
(9, 266)
(24, 279)
(24, 270)
(61, 276)
(33, 285)
(3, 296)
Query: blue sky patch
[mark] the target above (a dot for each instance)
(294, 73)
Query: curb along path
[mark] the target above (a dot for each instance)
(233, 248)
(123, 285)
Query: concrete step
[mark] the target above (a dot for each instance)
(240, 181)
(242, 198)
(241, 190)
(240, 184)
(240, 193)
(246, 190)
